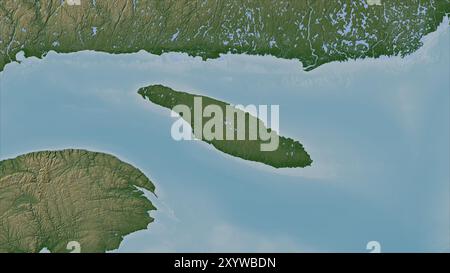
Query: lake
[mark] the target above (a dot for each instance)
(377, 130)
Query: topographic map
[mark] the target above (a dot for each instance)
(224, 126)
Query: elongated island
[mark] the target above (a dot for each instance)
(277, 151)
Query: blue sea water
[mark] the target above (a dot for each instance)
(377, 130)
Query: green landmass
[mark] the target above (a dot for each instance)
(290, 153)
(51, 198)
(314, 31)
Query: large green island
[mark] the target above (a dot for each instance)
(70, 200)
(288, 153)
(314, 32)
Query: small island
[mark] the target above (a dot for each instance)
(288, 153)
(69, 200)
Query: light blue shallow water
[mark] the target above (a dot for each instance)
(377, 130)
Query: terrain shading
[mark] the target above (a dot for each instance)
(51, 198)
(289, 153)
(314, 32)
